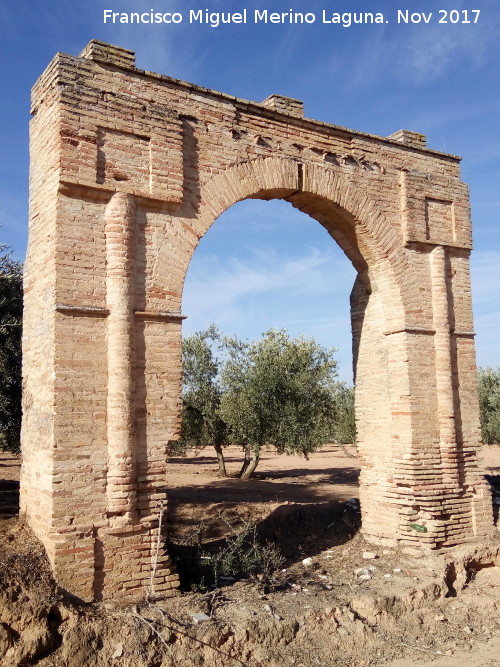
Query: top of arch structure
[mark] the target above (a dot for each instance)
(117, 56)
(122, 129)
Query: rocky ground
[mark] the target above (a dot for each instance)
(334, 600)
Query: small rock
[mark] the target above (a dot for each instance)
(369, 555)
(365, 577)
(468, 630)
(307, 562)
(199, 618)
(397, 569)
(387, 552)
(361, 570)
(449, 652)
(118, 651)
(440, 617)
(411, 551)
(387, 576)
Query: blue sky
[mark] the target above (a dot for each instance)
(263, 264)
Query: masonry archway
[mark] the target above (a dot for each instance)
(350, 220)
(129, 169)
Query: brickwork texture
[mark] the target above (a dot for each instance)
(129, 169)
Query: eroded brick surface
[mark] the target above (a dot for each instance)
(128, 171)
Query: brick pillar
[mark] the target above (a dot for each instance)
(444, 369)
(121, 488)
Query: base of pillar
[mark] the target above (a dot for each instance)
(110, 563)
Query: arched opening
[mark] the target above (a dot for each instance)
(265, 265)
(370, 355)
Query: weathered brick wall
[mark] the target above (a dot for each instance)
(129, 170)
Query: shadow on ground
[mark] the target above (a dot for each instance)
(261, 489)
(295, 530)
(9, 498)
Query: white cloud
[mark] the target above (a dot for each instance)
(420, 54)
(440, 47)
(485, 268)
(215, 287)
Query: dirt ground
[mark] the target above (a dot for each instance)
(326, 605)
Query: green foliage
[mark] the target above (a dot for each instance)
(203, 566)
(343, 426)
(278, 391)
(274, 391)
(245, 555)
(489, 404)
(11, 309)
(201, 421)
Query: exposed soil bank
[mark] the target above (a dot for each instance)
(337, 608)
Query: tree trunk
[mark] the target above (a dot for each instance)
(246, 462)
(252, 464)
(220, 460)
(344, 449)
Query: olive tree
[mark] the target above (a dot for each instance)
(489, 404)
(343, 420)
(202, 423)
(11, 309)
(277, 391)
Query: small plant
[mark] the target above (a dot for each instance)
(245, 555)
(206, 566)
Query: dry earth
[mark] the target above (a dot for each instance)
(399, 609)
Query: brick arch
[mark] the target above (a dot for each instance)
(293, 181)
(128, 170)
(377, 300)
(350, 217)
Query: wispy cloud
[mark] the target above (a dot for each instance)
(421, 54)
(485, 269)
(241, 287)
(433, 52)
(307, 294)
(211, 284)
